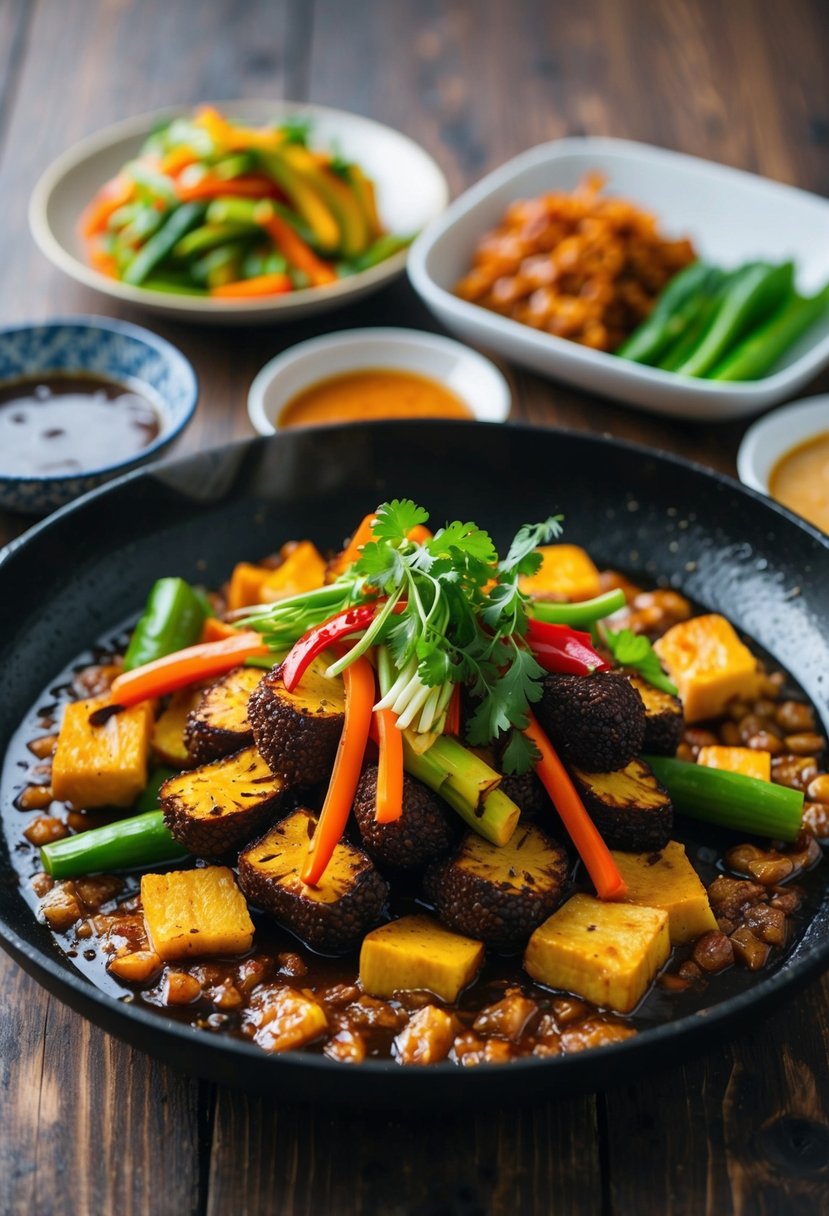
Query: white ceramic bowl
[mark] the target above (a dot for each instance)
(731, 217)
(411, 191)
(776, 434)
(469, 375)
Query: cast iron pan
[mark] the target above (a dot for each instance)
(89, 566)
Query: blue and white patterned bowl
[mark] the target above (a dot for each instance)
(109, 348)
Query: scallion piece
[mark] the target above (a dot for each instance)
(584, 612)
(127, 844)
(744, 804)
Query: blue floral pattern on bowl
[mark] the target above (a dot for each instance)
(111, 348)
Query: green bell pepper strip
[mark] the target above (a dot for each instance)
(581, 613)
(126, 844)
(672, 313)
(731, 800)
(210, 236)
(757, 354)
(161, 245)
(172, 619)
(757, 290)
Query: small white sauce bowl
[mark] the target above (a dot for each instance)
(474, 379)
(772, 436)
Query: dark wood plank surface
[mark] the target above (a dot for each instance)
(86, 1124)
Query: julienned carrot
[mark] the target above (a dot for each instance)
(592, 849)
(185, 667)
(210, 186)
(453, 713)
(291, 245)
(113, 194)
(250, 289)
(390, 768)
(215, 629)
(359, 700)
(360, 537)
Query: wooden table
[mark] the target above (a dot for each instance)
(88, 1125)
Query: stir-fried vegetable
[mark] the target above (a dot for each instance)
(143, 840)
(173, 618)
(213, 207)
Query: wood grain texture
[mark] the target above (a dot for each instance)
(86, 1124)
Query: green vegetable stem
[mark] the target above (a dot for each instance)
(172, 619)
(731, 800)
(758, 353)
(755, 291)
(142, 840)
(676, 309)
(159, 246)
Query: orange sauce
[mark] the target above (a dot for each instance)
(800, 480)
(374, 393)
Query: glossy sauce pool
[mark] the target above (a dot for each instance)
(364, 396)
(800, 480)
(65, 423)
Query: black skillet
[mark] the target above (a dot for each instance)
(88, 567)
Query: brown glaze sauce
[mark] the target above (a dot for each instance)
(762, 898)
(64, 423)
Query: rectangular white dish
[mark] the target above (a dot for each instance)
(731, 216)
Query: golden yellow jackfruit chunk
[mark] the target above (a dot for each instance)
(607, 953)
(168, 743)
(415, 953)
(666, 879)
(190, 912)
(709, 665)
(743, 760)
(103, 765)
(567, 573)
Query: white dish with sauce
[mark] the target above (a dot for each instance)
(411, 191)
(473, 379)
(778, 434)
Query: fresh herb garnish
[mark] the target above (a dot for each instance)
(632, 650)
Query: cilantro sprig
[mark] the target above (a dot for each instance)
(632, 650)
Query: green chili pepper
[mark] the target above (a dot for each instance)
(171, 620)
(675, 309)
(159, 246)
(756, 290)
(143, 840)
(208, 236)
(758, 353)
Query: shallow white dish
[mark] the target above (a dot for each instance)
(773, 436)
(731, 216)
(469, 375)
(411, 191)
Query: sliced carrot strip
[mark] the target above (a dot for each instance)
(217, 187)
(114, 194)
(214, 630)
(184, 667)
(453, 713)
(390, 769)
(250, 289)
(592, 849)
(359, 700)
(292, 246)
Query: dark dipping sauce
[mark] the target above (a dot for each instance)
(67, 422)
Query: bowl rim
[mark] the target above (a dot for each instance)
(141, 124)
(690, 1031)
(431, 291)
(767, 433)
(342, 339)
(114, 325)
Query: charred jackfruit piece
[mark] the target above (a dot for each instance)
(416, 953)
(332, 916)
(218, 724)
(167, 743)
(595, 722)
(217, 807)
(664, 721)
(422, 832)
(607, 953)
(632, 811)
(499, 893)
(298, 732)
